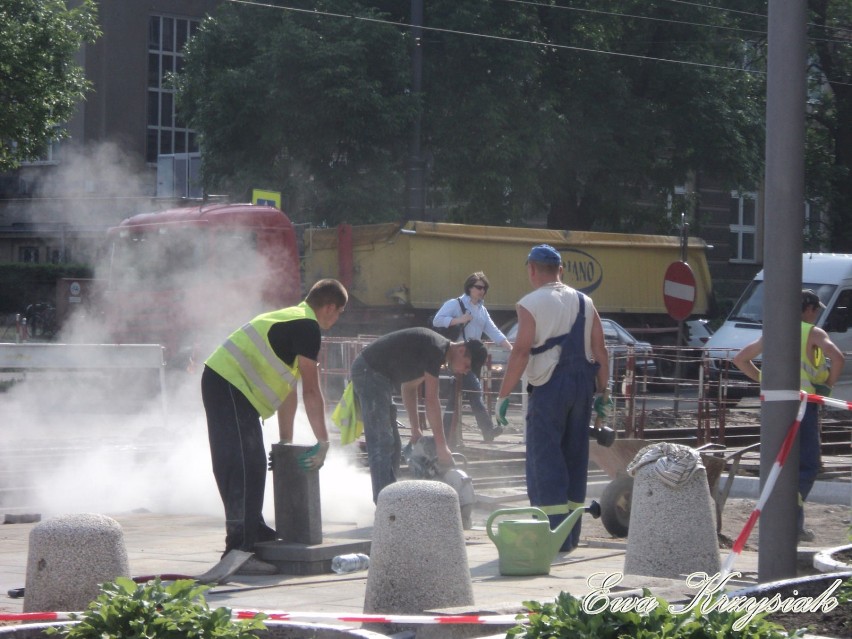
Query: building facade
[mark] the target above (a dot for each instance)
(58, 208)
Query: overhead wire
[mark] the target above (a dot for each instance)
(634, 16)
(758, 15)
(762, 32)
(712, 7)
(537, 43)
(547, 45)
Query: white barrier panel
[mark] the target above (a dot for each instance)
(80, 356)
(32, 356)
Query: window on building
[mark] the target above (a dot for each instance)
(49, 154)
(54, 255)
(743, 226)
(28, 254)
(167, 37)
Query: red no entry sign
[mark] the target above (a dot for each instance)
(679, 290)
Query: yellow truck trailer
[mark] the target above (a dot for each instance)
(397, 275)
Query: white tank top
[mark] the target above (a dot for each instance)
(554, 306)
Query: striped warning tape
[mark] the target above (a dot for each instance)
(828, 401)
(291, 616)
(804, 398)
(383, 618)
(813, 398)
(38, 616)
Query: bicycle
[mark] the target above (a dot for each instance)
(41, 320)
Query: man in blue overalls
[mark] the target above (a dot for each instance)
(561, 348)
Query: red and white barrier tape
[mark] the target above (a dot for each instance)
(740, 542)
(828, 401)
(291, 616)
(37, 616)
(813, 398)
(382, 618)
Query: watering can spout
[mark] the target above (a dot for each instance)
(528, 546)
(561, 532)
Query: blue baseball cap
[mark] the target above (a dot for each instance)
(544, 254)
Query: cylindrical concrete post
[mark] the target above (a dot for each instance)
(69, 557)
(298, 509)
(672, 524)
(418, 560)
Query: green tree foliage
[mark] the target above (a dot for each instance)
(40, 84)
(829, 157)
(485, 109)
(578, 111)
(313, 105)
(653, 91)
(581, 112)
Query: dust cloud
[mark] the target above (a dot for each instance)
(64, 450)
(92, 435)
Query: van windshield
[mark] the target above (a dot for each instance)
(749, 308)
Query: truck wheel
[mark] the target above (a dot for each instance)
(615, 505)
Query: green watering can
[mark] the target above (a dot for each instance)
(527, 546)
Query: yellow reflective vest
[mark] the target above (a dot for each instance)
(347, 416)
(815, 372)
(247, 361)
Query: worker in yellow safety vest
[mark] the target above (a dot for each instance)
(246, 380)
(816, 376)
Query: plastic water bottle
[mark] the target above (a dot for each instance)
(350, 563)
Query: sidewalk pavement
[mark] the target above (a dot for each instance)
(159, 544)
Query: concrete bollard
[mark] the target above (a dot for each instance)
(418, 560)
(672, 518)
(69, 557)
(298, 508)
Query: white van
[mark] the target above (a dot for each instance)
(830, 276)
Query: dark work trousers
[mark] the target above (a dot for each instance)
(809, 456)
(239, 461)
(375, 396)
(558, 417)
(472, 392)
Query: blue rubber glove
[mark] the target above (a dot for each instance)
(603, 404)
(314, 458)
(822, 389)
(500, 408)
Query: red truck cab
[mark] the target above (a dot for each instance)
(187, 277)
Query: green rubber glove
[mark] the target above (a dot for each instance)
(603, 404)
(500, 408)
(314, 458)
(822, 389)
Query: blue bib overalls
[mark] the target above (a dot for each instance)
(558, 417)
